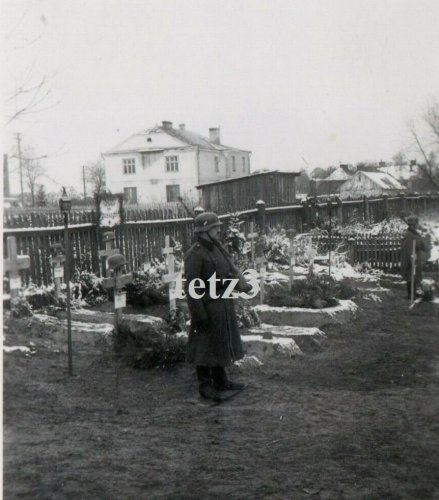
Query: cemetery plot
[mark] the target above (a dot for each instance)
(345, 408)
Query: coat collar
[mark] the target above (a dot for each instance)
(206, 242)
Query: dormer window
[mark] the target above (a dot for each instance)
(149, 139)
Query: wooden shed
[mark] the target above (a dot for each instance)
(274, 188)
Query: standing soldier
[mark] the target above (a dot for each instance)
(411, 236)
(214, 340)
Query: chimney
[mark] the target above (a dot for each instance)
(167, 125)
(382, 164)
(182, 126)
(214, 135)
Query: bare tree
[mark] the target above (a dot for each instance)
(426, 136)
(26, 91)
(32, 172)
(95, 177)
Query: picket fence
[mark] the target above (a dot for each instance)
(379, 251)
(142, 241)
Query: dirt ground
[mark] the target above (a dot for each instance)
(356, 421)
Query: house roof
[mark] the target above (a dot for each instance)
(250, 176)
(383, 180)
(339, 174)
(138, 142)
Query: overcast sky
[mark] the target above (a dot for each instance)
(297, 82)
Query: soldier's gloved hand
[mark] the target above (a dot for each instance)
(245, 287)
(202, 324)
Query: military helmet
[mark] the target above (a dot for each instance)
(116, 261)
(205, 221)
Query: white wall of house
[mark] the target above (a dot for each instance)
(151, 176)
(218, 165)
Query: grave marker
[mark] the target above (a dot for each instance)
(292, 253)
(57, 260)
(117, 282)
(252, 235)
(261, 262)
(171, 275)
(13, 264)
(109, 239)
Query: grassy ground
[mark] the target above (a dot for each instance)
(358, 420)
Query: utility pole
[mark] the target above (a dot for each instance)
(83, 178)
(20, 164)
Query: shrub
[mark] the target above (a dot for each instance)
(162, 351)
(147, 288)
(236, 243)
(247, 317)
(20, 308)
(277, 245)
(88, 287)
(315, 292)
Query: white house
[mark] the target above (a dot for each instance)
(163, 163)
(368, 184)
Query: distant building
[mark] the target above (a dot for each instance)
(163, 163)
(273, 187)
(370, 184)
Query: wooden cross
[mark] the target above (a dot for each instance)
(171, 275)
(117, 282)
(261, 262)
(252, 235)
(57, 260)
(13, 264)
(109, 239)
(292, 253)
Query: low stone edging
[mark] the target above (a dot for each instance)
(298, 316)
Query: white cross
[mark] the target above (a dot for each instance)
(252, 235)
(13, 264)
(171, 275)
(261, 262)
(292, 254)
(109, 250)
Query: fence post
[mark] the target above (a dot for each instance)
(403, 203)
(340, 211)
(351, 243)
(305, 216)
(260, 206)
(366, 213)
(386, 207)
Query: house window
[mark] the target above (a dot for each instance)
(233, 164)
(172, 164)
(172, 192)
(129, 165)
(130, 194)
(216, 164)
(243, 163)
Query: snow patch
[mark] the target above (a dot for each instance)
(20, 348)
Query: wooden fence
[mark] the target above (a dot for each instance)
(379, 251)
(52, 217)
(141, 241)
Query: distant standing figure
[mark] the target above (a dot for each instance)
(412, 235)
(214, 339)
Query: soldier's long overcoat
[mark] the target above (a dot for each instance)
(410, 236)
(220, 343)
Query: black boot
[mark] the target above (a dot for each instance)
(222, 383)
(206, 388)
